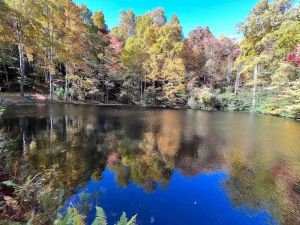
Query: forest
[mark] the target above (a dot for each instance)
(67, 52)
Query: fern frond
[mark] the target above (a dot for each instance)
(100, 217)
(132, 221)
(123, 219)
(72, 218)
(77, 218)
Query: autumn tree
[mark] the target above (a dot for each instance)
(25, 29)
(85, 14)
(158, 17)
(53, 29)
(165, 66)
(99, 22)
(126, 27)
(74, 41)
(145, 59)
(270, 33)
(195, 58)
(6, 40)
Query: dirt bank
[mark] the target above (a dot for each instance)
(15, 99)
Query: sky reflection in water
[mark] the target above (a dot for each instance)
(198, 200)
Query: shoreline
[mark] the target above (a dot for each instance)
(14, 99)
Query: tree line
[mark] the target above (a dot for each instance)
(66, 50)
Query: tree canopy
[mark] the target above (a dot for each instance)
(68, 51)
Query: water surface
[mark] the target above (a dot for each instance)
(168, 166)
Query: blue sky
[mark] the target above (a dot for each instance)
(220, 15)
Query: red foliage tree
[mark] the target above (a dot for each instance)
(114, 49)
(294, 56)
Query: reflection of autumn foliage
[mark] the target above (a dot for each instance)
(149, 160)
(111, 141)
(148, 170)
(163, 134)
(146, 151)
(146, 155)
(162, 148)
(113, 158)
(257, 184)
(193, 158)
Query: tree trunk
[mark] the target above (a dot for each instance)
(22, 69)
(106, 93)
(50, 86)
(153, 86)
(228, 75)
(6, 74)
(237, 81)
(50, 75)
(51, 130)
(145, 85)
(255, 87)
(50, 55)
(141, 88)
(66, 83)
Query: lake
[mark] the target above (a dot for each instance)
(178, 167)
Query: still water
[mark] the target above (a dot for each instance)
(177, 167)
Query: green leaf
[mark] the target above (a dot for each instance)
(9, 183)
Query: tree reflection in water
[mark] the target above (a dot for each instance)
(259, 182)
(149, 148)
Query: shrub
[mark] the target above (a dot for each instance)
(2, 110)
(285, 101)
(59, 93)
(203, 99)
(232, 102)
